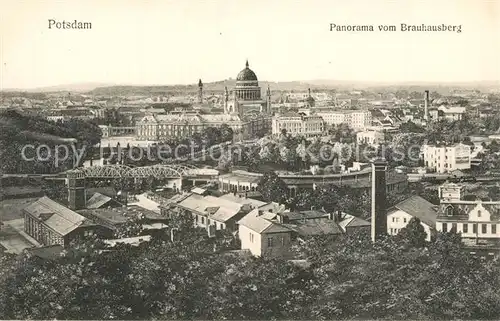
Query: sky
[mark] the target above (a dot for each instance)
(162, 42)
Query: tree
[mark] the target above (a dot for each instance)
(411, 127)
(225, 161)
(494, 192)
(129, 229)
(56, 191)
(226, 133)
(273, 188)
(494, 147)
(413, 233)
(211, 136)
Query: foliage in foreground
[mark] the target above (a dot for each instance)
(348, 277)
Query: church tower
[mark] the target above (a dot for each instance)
(309, 100)
(268, 100)
(226, 101)
(236, 107)
(200, 92)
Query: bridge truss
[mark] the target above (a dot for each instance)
(157, 171)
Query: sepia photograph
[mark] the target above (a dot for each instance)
(249, 160)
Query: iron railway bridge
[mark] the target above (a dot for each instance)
(157, 171)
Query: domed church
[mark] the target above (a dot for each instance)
(246, 96)
(244, 111)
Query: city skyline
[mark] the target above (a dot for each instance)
(168, 43)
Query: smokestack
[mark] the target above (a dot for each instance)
(426, 106)
(200, 92)
(379, 210)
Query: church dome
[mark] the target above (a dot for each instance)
(246, 74)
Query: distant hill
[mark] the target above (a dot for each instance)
(208, 88)
(77, 87)
(18, 129)
(218, 87)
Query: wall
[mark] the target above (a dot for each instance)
(281, 243)
(470, 229)
(478, 217)
(246, 244)
(401, 219)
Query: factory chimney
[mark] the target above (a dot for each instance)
(200, 92)
(426, 106)
(379, 201)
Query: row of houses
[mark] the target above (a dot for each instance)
(268, 229)
(264, 229)
(477, 221)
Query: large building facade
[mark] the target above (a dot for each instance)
(478, 222)
(356, 119)
(51, 223)
(443, 159)
(298, 125)
(244, 111)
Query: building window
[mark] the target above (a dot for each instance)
(474, 228)
(202, 220)
(449, 211)
(404, 220)
(269, 242)
(493, 229)
(445, 227)
(465, 228)
(251, 237)
(483, 228)
(478, 213)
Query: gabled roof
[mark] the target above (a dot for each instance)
(417, 206)
(133, 241)
(97, 200)
(353, 221)
(198, 190)
(148, 203)
(107, 191)
(242, 200)
(177, 198)
(461, 209)
(56, 216)
(119, 215)
(453, 109)
(50, 252)
(307, 225)
(315, 226)
(312, 214)
(261, 222)
(216, 208)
